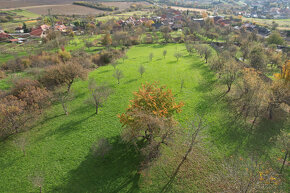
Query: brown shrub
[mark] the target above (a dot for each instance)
(2, 74)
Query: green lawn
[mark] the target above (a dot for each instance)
(59, 146)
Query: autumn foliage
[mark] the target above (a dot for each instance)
(148, 121)
(153, 100)
(285, 72)
(21, 105)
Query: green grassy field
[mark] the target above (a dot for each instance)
(21, 16)
(59, 146)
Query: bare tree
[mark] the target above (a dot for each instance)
(151, 55)
(181, 84)
(114, 64)
(89, 44)
(37, 181)
(141, 70)
(21, 143)
(118, 74)
(177, 55)
(98, 94)
(125, 57)
(64, 74)
(164, 53)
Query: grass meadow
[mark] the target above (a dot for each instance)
(59, 146)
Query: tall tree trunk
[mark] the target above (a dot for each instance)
(193, 138)
(284, 161)
(229, 88)
(97, 108)
(64, 106)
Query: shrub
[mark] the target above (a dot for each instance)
(2, 74)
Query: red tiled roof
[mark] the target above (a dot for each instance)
(36, 32)
(4, 35)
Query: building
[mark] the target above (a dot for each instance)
(41, 31)
(19, 30)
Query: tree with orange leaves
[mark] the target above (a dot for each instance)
(285, 72)
(149, 119)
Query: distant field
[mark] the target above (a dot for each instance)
(190, 9)
(122, 15)
(4, 4)
(64, 9)
(284, 24)
(68, 8)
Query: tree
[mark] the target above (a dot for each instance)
(276, 59)
(141, 70)
(24, 27)
(11, 115)
(253, 95)
(274, 25)
(21, 143)
(125, 57)
(245, 49)
(148, 121)
(177, 55)
(114, 64)
(89, 44)
(151, 55)
(206, 52)
(107, 40)
(37, 181)
(258, 58)
(189, 47)
(64, 55)
(98, 94)
(181, 84)
(164, 53)
(275, 38)
(63, 74)
(230, 72)
(118, 74)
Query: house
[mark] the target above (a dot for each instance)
(19, 30)
(4, 37)
(61, 28)
(41, 31)
(38, 32)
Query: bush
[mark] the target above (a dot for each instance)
(17, 65)
(20, 84)
(106, 57)
(2, 74)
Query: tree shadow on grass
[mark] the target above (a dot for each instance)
(115, 172)
(131, 80)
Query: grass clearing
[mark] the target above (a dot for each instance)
(59, 146)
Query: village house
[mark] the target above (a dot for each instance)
(19, 30)
(41, 31)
